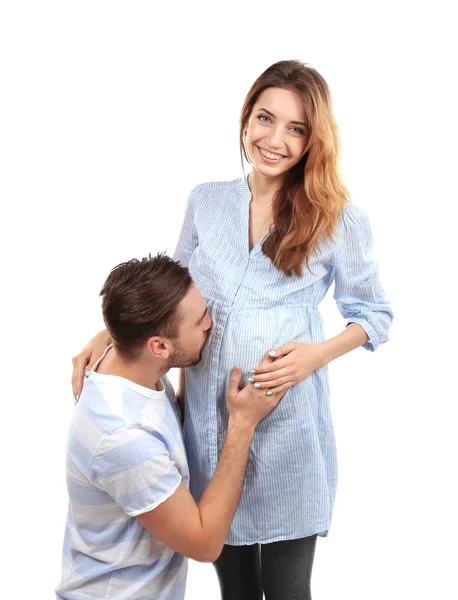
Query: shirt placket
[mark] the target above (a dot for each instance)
(220, 315)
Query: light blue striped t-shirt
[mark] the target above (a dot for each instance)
(125, 456)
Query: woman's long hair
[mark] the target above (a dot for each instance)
(306, 209)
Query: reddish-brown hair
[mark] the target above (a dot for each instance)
(140, 299)
(306, 209)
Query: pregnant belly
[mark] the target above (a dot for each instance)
(249, 335)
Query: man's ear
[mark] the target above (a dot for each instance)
(159, 347)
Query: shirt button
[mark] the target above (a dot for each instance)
(212, 387)
(219, 331)
(213, 360)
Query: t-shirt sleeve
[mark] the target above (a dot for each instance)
(135, 468)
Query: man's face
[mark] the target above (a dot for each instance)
(193, 330)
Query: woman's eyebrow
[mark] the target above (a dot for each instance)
(272, 115)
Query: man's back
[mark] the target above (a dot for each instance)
(125, 456)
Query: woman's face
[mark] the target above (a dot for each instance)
(276, 134)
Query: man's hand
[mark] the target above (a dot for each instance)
(247, 407)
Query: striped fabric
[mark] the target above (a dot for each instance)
(125, 456)
(292, 472)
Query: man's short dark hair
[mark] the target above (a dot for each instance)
(140, 299)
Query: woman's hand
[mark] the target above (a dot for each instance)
(288, 365)
(86, 359)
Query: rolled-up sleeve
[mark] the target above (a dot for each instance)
(188, 240)
(358, 292)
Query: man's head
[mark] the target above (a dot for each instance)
(152, 306)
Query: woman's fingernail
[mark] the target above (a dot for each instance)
(272, 353)
(250, 379)
(87, 373)
(269, 393)
(252, 371)
(257, 385)
(77, 397)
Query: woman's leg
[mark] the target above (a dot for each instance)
(287, 569)
(239, 573)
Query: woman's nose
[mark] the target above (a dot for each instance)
(275, 138)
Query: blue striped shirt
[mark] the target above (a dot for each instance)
(291, 478)
(125, 455)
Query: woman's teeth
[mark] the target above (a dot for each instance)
(270, 155)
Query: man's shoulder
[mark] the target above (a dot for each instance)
(108, 409)
(94, 426)
(107, 415)
(106, 402)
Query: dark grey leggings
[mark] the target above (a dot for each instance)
(282, 570)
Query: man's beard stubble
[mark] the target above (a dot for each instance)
(180, 358)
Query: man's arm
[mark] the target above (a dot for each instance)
(199, 531)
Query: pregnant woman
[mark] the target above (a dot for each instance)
(264, 250)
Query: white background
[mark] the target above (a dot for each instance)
(110, 113)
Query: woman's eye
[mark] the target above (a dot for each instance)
(263, 118)
(298, 130)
